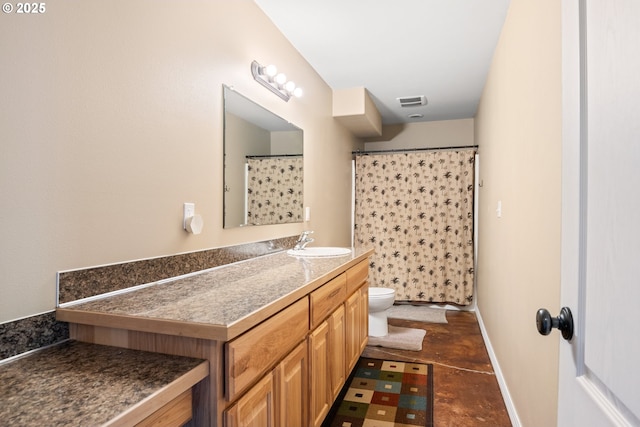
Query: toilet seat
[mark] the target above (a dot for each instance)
(381, 292)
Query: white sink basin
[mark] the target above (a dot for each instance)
(319, 251)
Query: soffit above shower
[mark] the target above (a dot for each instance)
(355, 109)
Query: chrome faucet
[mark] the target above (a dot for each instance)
(303, 240)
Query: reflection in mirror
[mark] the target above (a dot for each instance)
(263, 165)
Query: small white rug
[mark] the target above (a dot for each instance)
(400, 338)
(417, 313)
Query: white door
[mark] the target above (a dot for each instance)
(599, 369)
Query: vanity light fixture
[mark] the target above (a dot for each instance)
(276, 82)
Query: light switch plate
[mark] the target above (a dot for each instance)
(188, 211)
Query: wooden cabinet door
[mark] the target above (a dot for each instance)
(364, 317)
(337, 364)
(292, 389)
(255, 408)
(353, 330)
(319, 381)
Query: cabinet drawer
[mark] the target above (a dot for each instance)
(326, 298)
(356, 275)
(252, 354)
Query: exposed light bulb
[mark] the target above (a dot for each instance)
(290, 86)
(297, 92)
(271, 70)
(281, 79)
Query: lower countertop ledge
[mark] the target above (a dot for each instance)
(80, 384)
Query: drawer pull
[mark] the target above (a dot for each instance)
(334, 293)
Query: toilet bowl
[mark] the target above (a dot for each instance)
(380, 299)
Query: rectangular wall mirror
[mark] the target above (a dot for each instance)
(263, 165)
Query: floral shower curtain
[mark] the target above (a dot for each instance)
(416, 209)
(274, 190)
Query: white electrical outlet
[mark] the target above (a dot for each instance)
(188, 212)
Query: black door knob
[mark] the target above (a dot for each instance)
(564, 322)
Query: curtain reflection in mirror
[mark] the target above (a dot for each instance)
(274, 189)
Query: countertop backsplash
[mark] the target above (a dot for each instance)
(31, 333)
(24, 335)
(84, 283)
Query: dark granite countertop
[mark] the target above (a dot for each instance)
(80, 384)
(218, 304)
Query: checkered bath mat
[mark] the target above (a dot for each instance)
(384, 393)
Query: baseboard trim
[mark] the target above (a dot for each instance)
(511, 409)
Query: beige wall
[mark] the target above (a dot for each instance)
(443, 133)
(518, 129)
(111, 119)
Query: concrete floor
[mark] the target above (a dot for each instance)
(466, 391)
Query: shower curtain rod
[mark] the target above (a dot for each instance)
(267, 156)
(405, 150)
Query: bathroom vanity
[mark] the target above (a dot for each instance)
(281, 333)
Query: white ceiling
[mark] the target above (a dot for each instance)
(396, 48)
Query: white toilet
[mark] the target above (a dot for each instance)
(380, 299)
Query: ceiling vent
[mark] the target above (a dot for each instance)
(413, 101)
